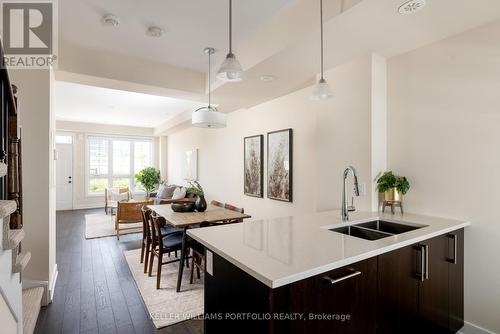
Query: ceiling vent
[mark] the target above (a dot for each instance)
(110, 20)
(411, 7)
(155, 31)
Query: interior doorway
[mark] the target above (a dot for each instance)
(64, 172)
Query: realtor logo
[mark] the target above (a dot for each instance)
(29, 33)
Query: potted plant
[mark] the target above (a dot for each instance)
(393, 186)
(196, 190)
(148, 178)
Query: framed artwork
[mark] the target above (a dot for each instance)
(191, 167)
(280, 165)
(254, 166)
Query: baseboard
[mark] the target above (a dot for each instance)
(470, 328)
(94, 206)
(52, 287)
(28, 284)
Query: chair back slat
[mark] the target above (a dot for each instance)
(157, 222)
(217, 203)
(234, 208)
(146, 217)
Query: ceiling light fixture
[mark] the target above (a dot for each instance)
(110, 20)
(208, 117)
(230, 70)
(322, 90)
(155, 31)
(411, 7)
(267, 78)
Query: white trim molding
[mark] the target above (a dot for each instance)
(470, 328)
(52, 286)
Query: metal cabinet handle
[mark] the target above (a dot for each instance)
(340, 279)
(422, 274)
(426, 249)
(455, 240)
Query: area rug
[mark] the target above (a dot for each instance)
(101, 225)
(166, 306)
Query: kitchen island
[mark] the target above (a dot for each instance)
(297, 275)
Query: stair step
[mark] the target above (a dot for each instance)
(3, 169)
(7, 207)
(32, 302)
(22, 260)
(14, 238)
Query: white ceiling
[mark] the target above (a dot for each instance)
(190, 26)
(81, 103)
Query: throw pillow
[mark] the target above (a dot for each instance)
(179, 193)
(166, 191)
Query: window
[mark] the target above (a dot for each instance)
(64, 139)
(112, 162)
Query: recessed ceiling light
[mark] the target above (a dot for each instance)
(410, 7)
(267, 78)
(110, 20)
(155, 31)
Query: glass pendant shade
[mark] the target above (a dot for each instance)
(230, 70)
(321, 91)
(208, 117)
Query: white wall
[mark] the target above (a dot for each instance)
(38, 128)
(443, 134)
(328, 136)
(81, 131)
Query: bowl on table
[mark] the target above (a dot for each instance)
(183, 207)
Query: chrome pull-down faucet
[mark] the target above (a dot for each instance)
(345, 205)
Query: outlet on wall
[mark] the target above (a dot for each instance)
(362, 189)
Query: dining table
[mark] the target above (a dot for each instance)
(186, 220)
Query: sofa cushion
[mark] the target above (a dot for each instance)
(179, 192)
(166, 191)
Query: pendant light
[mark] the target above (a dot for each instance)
(322, 90)
(230, 70)
(208, 117)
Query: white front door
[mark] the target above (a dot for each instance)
(64, 177)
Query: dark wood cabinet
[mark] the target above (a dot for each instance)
(414, 289)
(456, 279)
(420, 287)
(339, 301)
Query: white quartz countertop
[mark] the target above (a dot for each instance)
(284, 250)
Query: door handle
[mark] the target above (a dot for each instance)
(454, 237)
(69, 181)
(340, 279)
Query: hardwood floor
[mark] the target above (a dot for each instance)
(95, 291)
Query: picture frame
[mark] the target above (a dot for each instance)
(191, 165)
(280, 165)
(253, 166)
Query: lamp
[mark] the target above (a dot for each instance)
(208, 117)
(322, 90)
(230, 69)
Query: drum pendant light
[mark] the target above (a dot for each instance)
(208, 117)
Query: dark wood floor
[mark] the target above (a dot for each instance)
(95, 291)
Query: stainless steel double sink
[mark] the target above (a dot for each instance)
(376, 229)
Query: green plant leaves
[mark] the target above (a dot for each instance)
(388, 180)
(148, 178)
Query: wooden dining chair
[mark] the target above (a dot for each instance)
(162, 244)
(234, 208)
(198, 259)
(128, 213)
(217, 203)
(146, 236)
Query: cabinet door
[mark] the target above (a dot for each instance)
(348, 294)
(397, 298)
(434, 289)
(456, 279)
